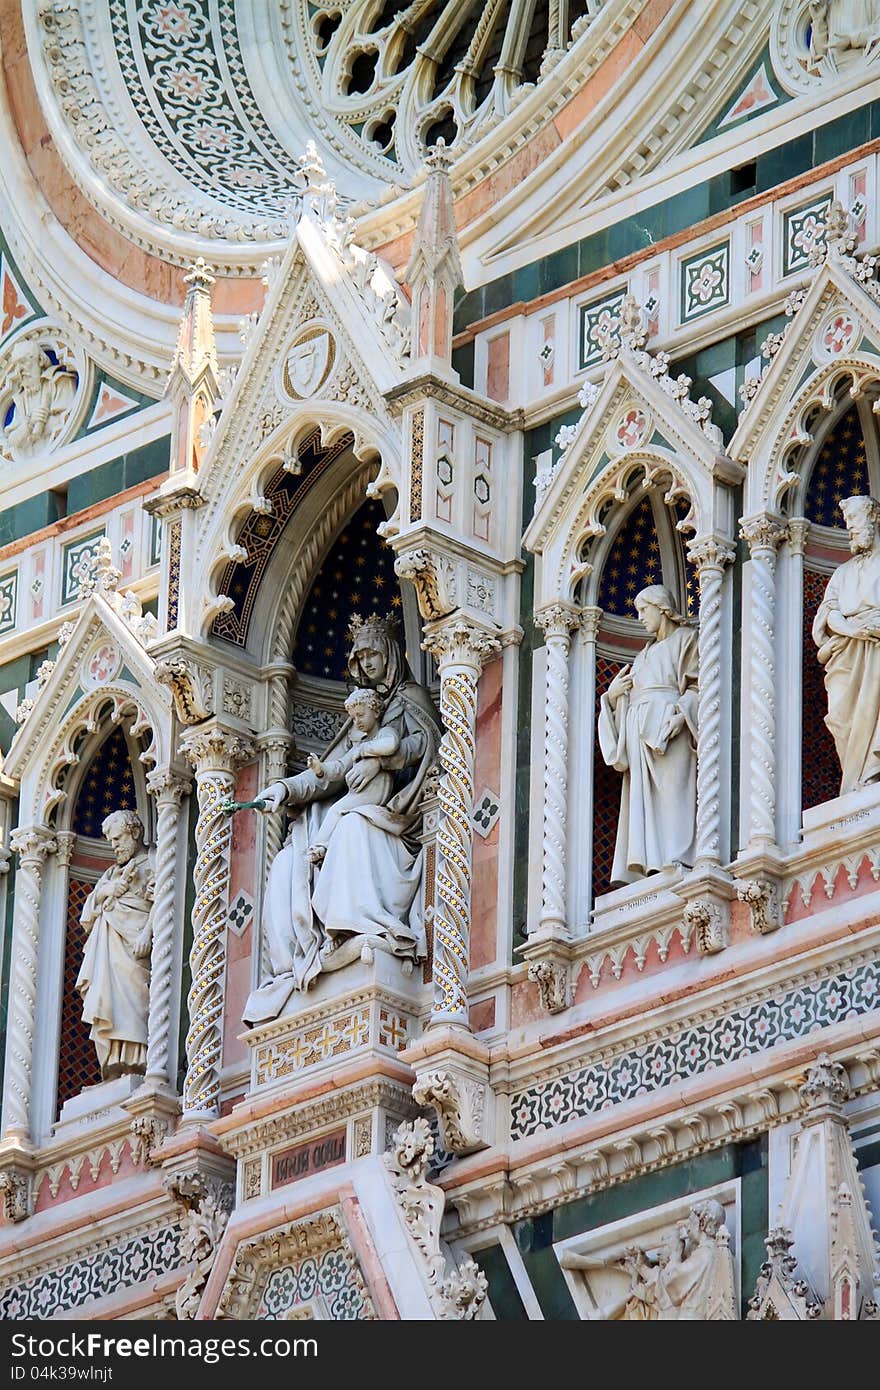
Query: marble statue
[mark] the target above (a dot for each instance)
(847, 632)
(42, 393)
(114, 979)
(843, 29)
(347, 879)
(648, 732)
(691, 1279)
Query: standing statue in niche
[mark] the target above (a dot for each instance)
(648, 732)
(691, 1280)
(41, 394)
(346, 882)
(114, 979)
(847, 632)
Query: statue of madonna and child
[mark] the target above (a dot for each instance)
(346, 882)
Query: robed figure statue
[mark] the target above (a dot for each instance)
(847, 632)
(329, 896)
(648, 731)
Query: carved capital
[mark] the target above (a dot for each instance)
(167, 786)
(32, 844)
(459, 1103)
(215, 750)
(552, 979)
(763, 532)
(710, 553)
(557, 619)
(65, 842)
(434, 580)
(591, 617)
(798, 529)
(764, 905)
(190, 686)
(461, 642)
(708, 921)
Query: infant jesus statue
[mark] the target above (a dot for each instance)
(365, 740)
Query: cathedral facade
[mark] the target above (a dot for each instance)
(440, 659)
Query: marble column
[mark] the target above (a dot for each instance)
(461, 648)
(169, 789)
(32, 844)
(763, 533)
(557, 621)
(214, 753)
(710, 555)
(275, 746)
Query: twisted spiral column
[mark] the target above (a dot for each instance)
(32, 845)
(214, 753)
(460, 648)
(710, 554)
(275, 746)
(169, 790)
(557, 621)
(763, 534)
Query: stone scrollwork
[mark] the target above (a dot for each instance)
(708, 922)
(206, 1208)
(455, 1293)
(190, 686)
(459, 1103)
(764, 905)
(15, 1189)
(553, 981)
(433, 577)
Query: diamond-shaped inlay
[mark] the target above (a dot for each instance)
(486, 812)
(705, 282)
(546, 353)
(126, 546)
(804, 232)
(481, 489)
(36, 586)
(241, 913)
(444, 469)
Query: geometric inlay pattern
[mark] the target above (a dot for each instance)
(599, 327)
(331, 1037)
(705, 282)
(78, 563)
(8, 601)
(331, 1276)
(132, 1261)
(753, 1029)
(803, 232)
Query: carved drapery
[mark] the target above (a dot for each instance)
(557, 620)
(763, 535)
(32, 845)
(710, 555)
(214, 754)
(460, 648)
(169, 790)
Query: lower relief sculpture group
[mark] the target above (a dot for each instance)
(346, 881)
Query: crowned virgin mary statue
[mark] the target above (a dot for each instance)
(326, 902)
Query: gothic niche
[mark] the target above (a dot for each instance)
(845, 464)
(366, 738)
(37, 393)
(643, 552)
(109, 784)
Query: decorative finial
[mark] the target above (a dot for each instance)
(439, 156)
(826, 1086)
(200, 276)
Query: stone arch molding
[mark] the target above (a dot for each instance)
(831, 346)
(103, 675)
(637, 430)
(330, 346)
